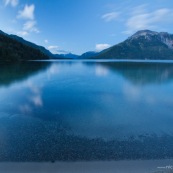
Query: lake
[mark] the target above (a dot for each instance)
(86, 111)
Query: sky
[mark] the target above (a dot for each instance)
(78, 26)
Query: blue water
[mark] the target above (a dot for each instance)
(79, 110)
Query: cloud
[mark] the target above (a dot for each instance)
(53, 49)
(46, 41)
(13, 3)
(110, 16)
(63, 52)
(100, 47)
(56, 50)
(142, 19)
(30, 26)
(22, 33)
(27, 12)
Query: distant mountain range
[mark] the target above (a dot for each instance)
(86, 55)
(143, 45)
(68, 56)
(89, 55)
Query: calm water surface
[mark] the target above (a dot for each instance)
(74, 111)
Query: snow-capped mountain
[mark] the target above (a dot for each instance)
(164, 37)
(144, 44)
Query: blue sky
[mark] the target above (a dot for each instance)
(78, 26)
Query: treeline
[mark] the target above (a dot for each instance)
(12, 50)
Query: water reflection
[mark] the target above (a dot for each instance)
(11, 73)
(143, 73)
(101, 70)
(109, 110)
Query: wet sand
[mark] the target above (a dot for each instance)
(147, 166)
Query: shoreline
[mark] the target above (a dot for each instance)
(105, 60)
(141, 166)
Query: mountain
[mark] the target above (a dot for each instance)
(86, 55)
(69, 56)
(89, 54)
(12, 49)
(32, 45)
(144, 44)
